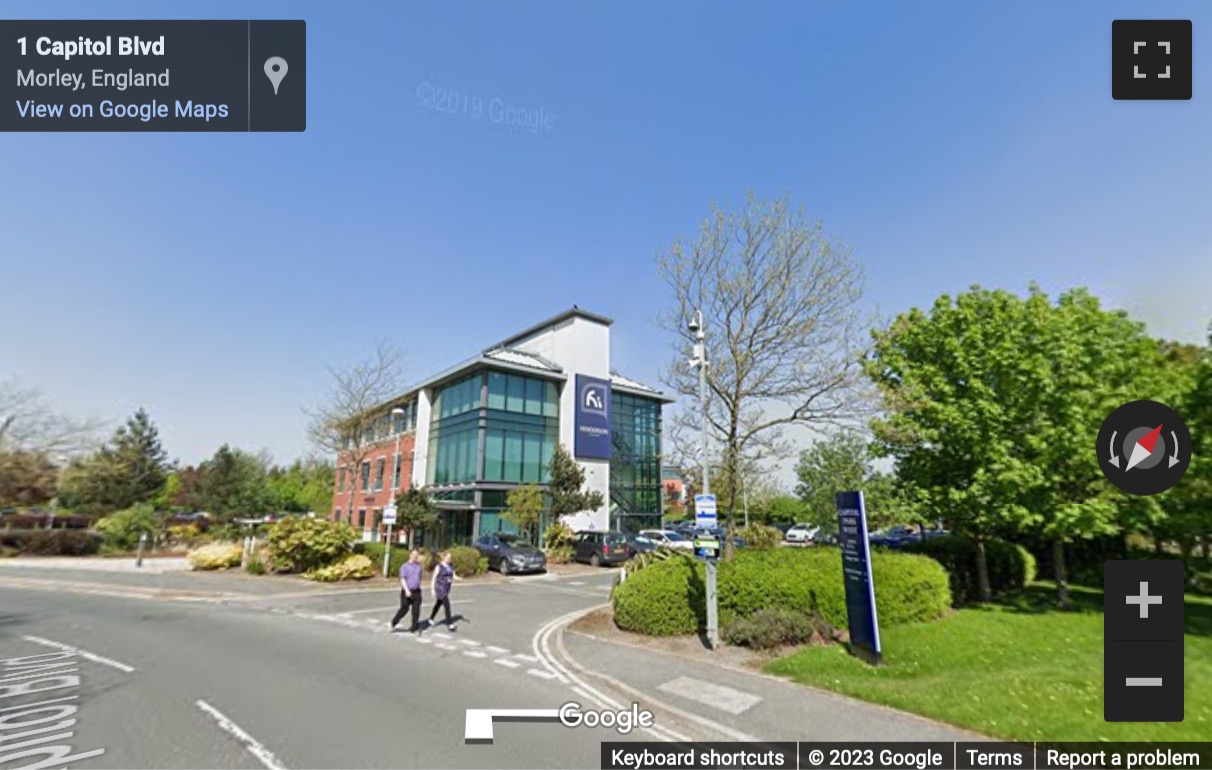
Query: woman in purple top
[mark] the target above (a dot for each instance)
(443, 577)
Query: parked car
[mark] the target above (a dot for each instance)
(598, 548)
(894, 537)
(638, 544)
(511, 553)
(684, 528)
(783, 526)
(801, 533)
(668, 539)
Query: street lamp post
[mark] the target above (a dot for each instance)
(395, 483)
(696, 327)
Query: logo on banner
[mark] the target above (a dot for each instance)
(592, 418)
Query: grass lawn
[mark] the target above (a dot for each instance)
(1020, 670)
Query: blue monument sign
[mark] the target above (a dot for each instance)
(856, 570)
(592, 419)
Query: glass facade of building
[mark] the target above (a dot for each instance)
(517, 420)
(635, 463)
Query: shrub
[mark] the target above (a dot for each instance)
(301, 545)
(187, 535)
(760, 536)
(558, 535)
(561, 555)
(355, 566)
(1011, 567)
(667, 597)
(256, 562)
(122, 529)
(467, 562)
(774, 627)
(216, 556)
(52, 542)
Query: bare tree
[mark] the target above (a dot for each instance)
(784, 337)
(348, 424)
(29, 425)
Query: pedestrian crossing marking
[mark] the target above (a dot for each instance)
(715, 695)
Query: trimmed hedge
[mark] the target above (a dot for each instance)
(356, 566)
(51, 542)
(1011, 567)
(666, 598)
(216, 556)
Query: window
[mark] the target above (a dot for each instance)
(365, 476)
(496, 390)
(336, 515)
(341, 479)
(361, 518)
(515, 395)
(534, 396)
(380, 468)
(513, 456)
(395, 477)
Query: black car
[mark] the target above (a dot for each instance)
(511, 553)
(598, 548)
(639, 544)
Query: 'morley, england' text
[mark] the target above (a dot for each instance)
(99, 79)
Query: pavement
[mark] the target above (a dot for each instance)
(169, 669)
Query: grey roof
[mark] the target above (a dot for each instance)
(627, 385)
(523, 358)
(556, 320)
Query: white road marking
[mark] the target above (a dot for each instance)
(507, 663)
(254, 747)
(475, 654)
(527, 658)
(497, 650)
(392, 608)
(714, 695)
(95, 658)
(576, 582)
(542, 674)
(469, 642)
(442, 646)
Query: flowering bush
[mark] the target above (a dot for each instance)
(303, 545)
(353, 567)
(216, 556)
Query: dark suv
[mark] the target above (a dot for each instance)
(511, 553)
(600, 548)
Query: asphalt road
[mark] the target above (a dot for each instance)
(173, 671)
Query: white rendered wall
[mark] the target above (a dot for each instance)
(420, 447)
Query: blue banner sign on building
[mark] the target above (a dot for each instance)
(592, 418)
(856, 570)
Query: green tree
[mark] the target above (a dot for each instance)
(524, 509)
(840, 463)
(992, 404)
(1188, 506)
(234, 483)
(567, 486)
(305, 486)
(130, 469)
(123, 528)
(414, 512)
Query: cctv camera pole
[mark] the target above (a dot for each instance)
(700, 357)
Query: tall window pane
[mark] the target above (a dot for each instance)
(532, 454)
(496, 390)
(516, 394)
(513, 456)
(534, 396)
(549, 443)
(494, 455)
(551, 401)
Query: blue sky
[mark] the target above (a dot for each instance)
(211, 278)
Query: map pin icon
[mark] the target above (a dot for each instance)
(275, 70)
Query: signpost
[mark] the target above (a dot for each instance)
(389, 518)
(709, 550)
(856, 570)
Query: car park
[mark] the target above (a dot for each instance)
(598, 548)
(668, 539)
(508, 553)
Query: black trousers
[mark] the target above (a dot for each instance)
(441, 602)
(406, 603)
